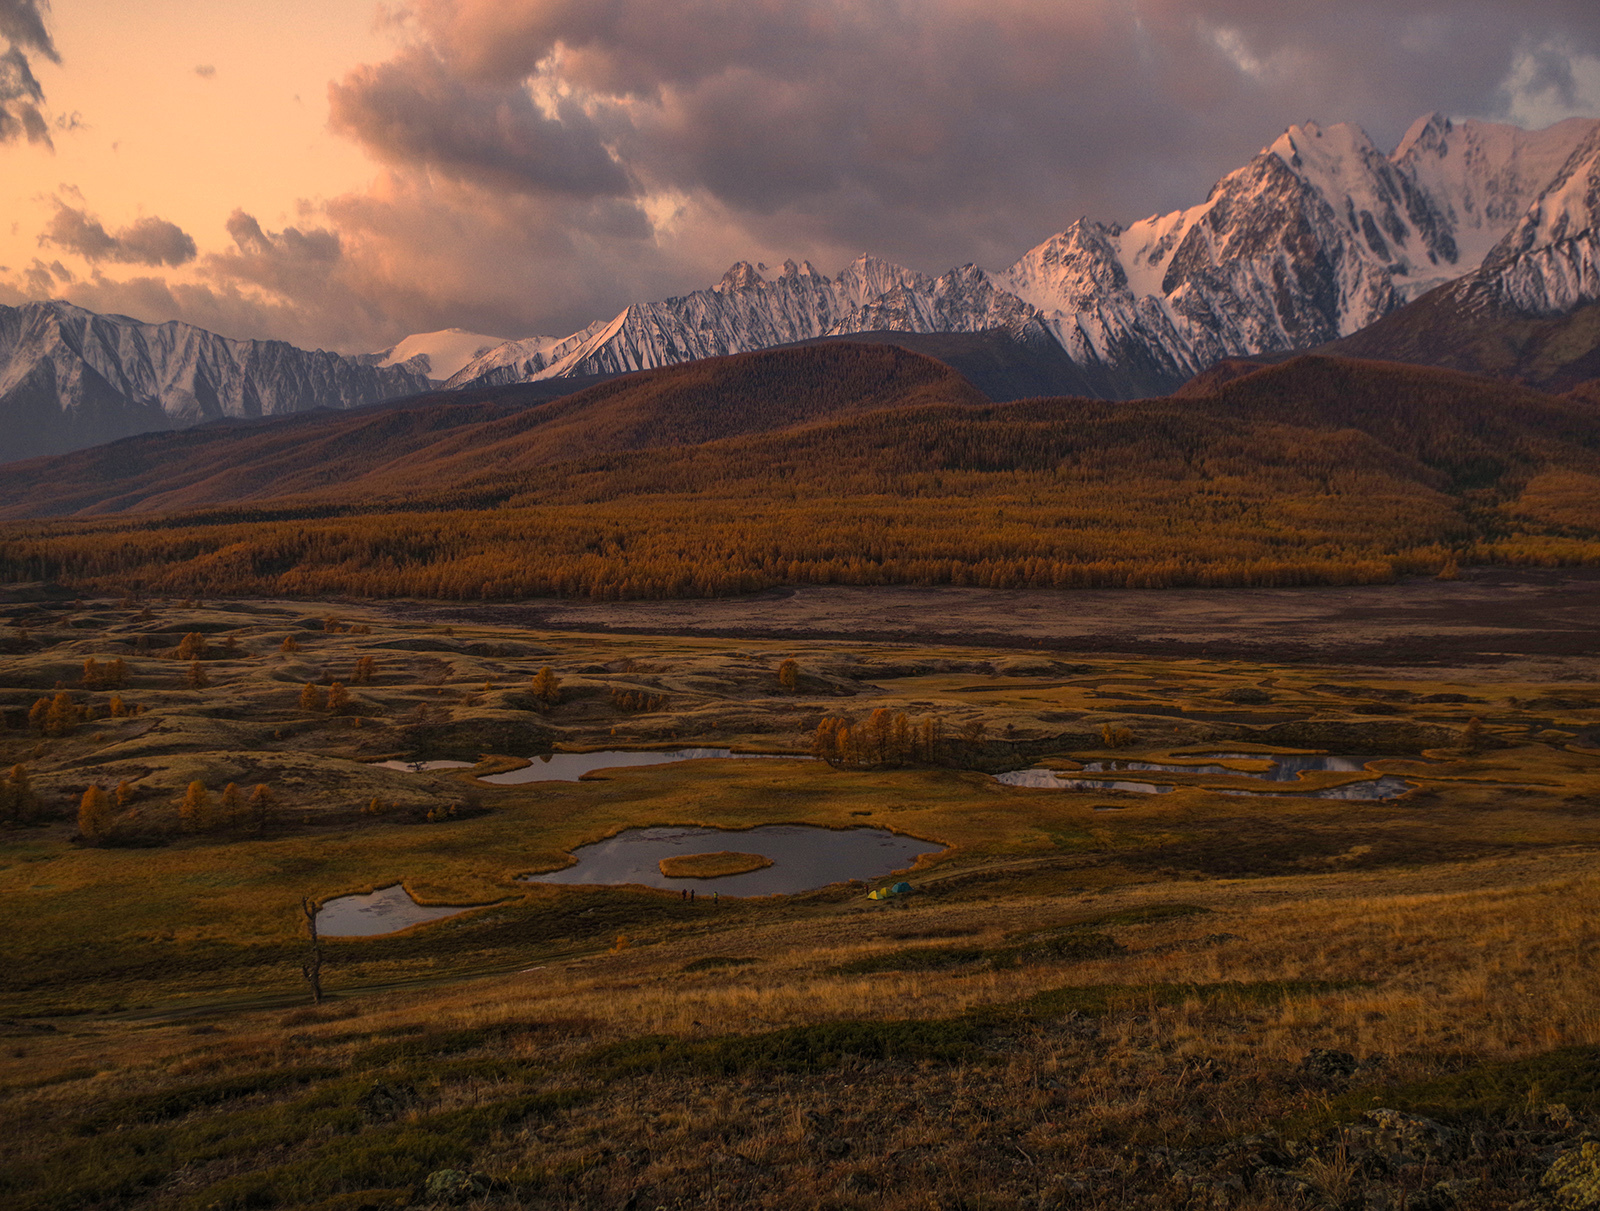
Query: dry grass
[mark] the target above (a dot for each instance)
(712, 866)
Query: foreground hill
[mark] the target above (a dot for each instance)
(1318, 471)
(444, 438)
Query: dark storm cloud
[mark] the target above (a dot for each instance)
(22, 26)
(545, 162)
(145, 241)
(415, 110)
(936, 131)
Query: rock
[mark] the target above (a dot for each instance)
(454, 1186)
(1404, 1139)
(1283, 1183)
(1573, 1179)
(384, 1102)
(1328, 1065)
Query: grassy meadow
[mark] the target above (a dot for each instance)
(1091, 998)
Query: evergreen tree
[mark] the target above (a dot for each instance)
(789, 675)
(125, 793)
(94, 814)
(547, 686)
(196, 678)
(232, 807)
(289, 645)
(62, 716)
(263, 807)
(23, 800)
(338, 699)
(193, 647)
(312, 698)
(194, 813)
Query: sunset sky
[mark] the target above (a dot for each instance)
(339, 173)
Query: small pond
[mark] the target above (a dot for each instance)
(1284, 768)
(421, 767)
(803, 857)
(1050, 780)
(382, 911)
(569, 767)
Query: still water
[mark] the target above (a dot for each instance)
(1284, 768)
(382, 911)
(803, 857)
(569, 767)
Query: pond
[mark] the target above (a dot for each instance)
(382, 911)
(421, 767)
(803, 856)
(569, 767)
(1284, 768)
(1050, 780)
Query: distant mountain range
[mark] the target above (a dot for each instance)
(70, 378)
(1317, 237)
(1472, 245)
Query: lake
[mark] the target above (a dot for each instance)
(803, 856)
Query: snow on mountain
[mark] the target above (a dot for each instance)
(1316, 237)
(745, 310)
(1550, 262)
(435, 354)
(1319, 235)
(70, 378)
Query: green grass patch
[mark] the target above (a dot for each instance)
(717, 963)
(169, 1104)
(947, 1040)
(1570, 1075)
(389, 1157)
(792, 1049)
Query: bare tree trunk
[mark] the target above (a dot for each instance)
(312, 967)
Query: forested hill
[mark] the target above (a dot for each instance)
(870, 466)
(446, 438)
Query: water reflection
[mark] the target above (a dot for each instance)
(419, 767)
(803, 857)
(1283, 768)
(382, 911)
(1050, 780)
(569, 767)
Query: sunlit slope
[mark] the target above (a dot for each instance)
(445, 439)
(1319, 471)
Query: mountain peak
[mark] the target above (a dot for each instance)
(742, 276)
(1427, 134)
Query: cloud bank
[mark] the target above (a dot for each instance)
(546, 161)
(22, 26)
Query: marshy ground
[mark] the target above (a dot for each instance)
(1091, 998)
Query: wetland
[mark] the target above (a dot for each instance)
(1152, 971)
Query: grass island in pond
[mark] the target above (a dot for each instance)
(712, 866)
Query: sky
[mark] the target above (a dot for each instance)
(340, 173)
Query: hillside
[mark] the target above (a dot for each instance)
(447, 437)
(1460, 331)
(1318, 471)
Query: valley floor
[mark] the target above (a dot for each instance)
(1488, 610)
(1091, 998)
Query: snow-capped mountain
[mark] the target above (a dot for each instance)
(1550, 261)
(1317, 236)
(435, 354)
(70, 378)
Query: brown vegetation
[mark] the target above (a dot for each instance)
(1315, 472)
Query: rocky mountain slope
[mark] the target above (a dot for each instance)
(1530, 311)
(1316, 237)
(70, 378)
